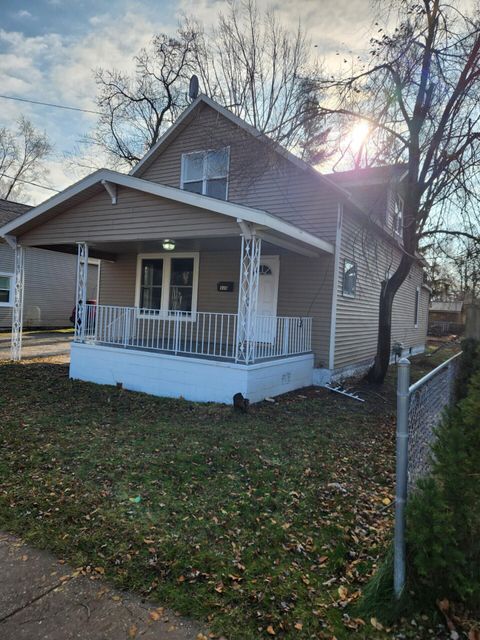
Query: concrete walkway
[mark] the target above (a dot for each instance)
(42, 598)
(39, 344)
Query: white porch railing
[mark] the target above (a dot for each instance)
(213, 335)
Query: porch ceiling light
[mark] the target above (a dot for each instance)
(168, 245)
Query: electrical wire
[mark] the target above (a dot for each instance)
(51, 104)
(35, 184)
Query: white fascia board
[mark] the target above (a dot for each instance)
(223, 207)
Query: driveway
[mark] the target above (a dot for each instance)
(39, 344)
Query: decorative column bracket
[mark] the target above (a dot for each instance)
(248, 294)
(81, 292)
(17, 313)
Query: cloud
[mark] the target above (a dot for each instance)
(23, 13)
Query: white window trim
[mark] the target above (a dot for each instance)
(9, 304)
(349, 295)
(204, 177)
(164, 311)
(417, 304)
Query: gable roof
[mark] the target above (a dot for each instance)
(11, 210)
(89, 185)
(187, 116)
(369, 175)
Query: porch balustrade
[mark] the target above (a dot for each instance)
(200, 334)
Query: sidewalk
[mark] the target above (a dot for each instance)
(44, 599)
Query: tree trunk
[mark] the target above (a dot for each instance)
(387, 295)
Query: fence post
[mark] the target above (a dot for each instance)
(403, 399)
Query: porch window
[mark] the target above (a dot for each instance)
(6, 289)
(206, 172)
(349, 279)
(151, 284)
(181, 284)
(167, 283)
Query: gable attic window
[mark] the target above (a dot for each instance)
(6, 289)
(206, 172)
(349, 279)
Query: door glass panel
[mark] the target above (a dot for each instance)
(4, 282)
(4, 295)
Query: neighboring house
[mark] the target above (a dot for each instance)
(446, 317)
(49, 280)
(229, 265)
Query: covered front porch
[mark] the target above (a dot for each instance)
(194, 301)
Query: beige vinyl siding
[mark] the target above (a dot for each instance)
(49, 294)
(136, 215)
(305, 288)
(258, 177)
(357, 318)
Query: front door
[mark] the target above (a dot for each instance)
(266, 325)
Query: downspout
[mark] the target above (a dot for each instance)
(336, 270)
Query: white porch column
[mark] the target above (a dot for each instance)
(248, 296)
(81, 292)
(17, 313)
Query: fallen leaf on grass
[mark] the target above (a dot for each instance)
(298, 626)
(342, 592)
(376, 624)
(132, 632)
(270, 630)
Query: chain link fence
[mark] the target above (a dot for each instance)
(420, 407)
(429, 397)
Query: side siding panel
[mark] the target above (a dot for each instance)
(258, 176)
(357, 318)
(49, 294)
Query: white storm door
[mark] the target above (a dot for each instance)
(266, 324)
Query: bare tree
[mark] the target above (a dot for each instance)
(249, 63)
(454, 268)
(22, 155)
(136, 108)
(264, 73)
(419, 95)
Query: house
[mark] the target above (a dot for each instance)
(446, 317)
(49, 280)
(228, 265)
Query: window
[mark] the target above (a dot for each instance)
(398, 214)
(206, 172)
(349, 279)
(6, 289)
(167, 282)
(151, 284)
(417, 304)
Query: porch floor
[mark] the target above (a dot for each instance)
(203, 351)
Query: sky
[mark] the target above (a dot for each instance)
(49, 50)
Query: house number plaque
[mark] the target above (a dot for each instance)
(225, 287)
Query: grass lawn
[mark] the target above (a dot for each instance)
(263, 524)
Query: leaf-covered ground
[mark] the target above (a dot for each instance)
(266, 524)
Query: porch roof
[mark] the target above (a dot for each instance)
(273, 228)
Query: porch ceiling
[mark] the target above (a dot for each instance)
(33, 227)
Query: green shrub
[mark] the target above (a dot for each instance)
(443, 515)
(469, 365)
